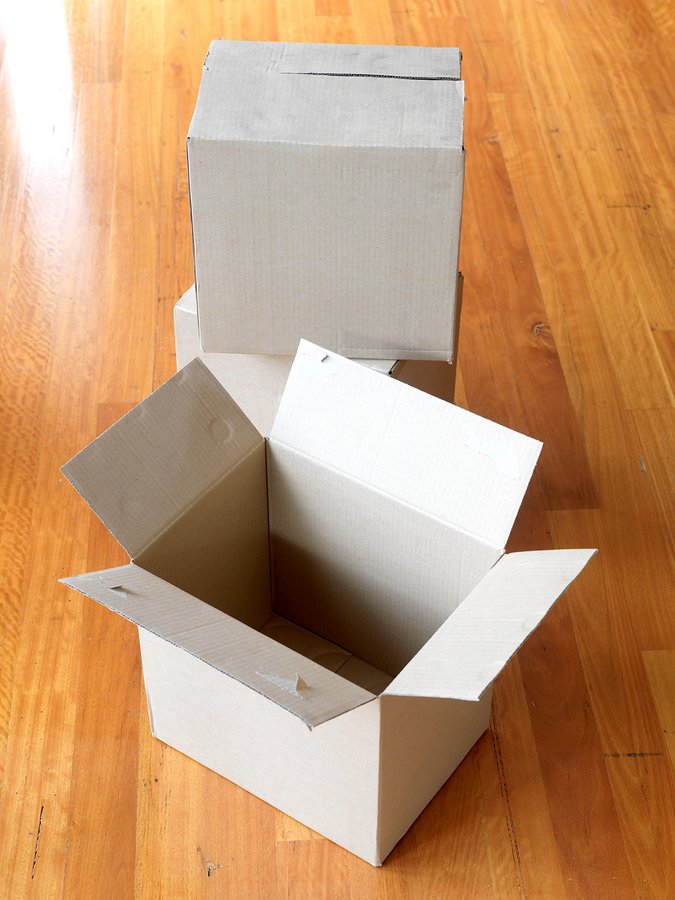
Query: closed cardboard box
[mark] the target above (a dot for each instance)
(322, 613)
(256, 382)
(326, 191)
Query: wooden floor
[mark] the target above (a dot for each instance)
(568, 333)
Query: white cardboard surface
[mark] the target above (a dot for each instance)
(314, 188)
(459, 467)
(326, 778)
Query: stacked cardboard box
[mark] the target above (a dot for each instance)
(256, 381)
(321, 612)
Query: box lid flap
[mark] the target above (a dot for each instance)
(328, 94)
(302, 687)
(459, 467)
(335, 59)
(148, 468)
(474, 644)
(365, 59)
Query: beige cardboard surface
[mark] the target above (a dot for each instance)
(223, 643)
(326, 778)
(459, 467)
(422, 741)
(256, 383)
(305, 642)
(435, 377)
(472, 647)
(358, 566)
(347, 59)
(326, 654)
(339, 191)
(222, 557)
(146, 470)
(361, 779)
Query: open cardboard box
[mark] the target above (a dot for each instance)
(321, 614)
(256, 383)
(329, 171)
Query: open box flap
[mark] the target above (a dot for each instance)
(149, 467)
(472, 647)
(319, 94)
(302, 687)
(459, 467)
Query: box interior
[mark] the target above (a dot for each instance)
(320, 563)
(314, 565)
(294, 527)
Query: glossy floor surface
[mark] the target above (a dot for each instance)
(567, 334)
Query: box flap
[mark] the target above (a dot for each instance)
(452, 464)
(363, 59)
(153, 464)
(335, 59)
(299, 685)
(472, 647)
(327, 94)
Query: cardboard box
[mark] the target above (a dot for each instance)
(321, 614)
(256, 383)
(326, 192)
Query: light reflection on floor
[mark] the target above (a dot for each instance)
(38, 67)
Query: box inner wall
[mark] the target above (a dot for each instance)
(338, 571)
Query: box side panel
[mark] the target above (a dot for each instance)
(218, 550)
(422, 743)
(433, 376)
(284, 232)
(326, 778)
(362, 569)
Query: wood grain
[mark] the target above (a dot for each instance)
(567, 334)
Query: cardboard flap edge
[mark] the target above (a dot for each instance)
(117, 473)
(296, 684)
(476, 642)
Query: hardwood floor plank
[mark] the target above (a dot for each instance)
(135, 214)
(608, 632)
(567, 334)
(587, 163)
(660, 668)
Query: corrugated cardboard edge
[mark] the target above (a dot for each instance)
(268, 668)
